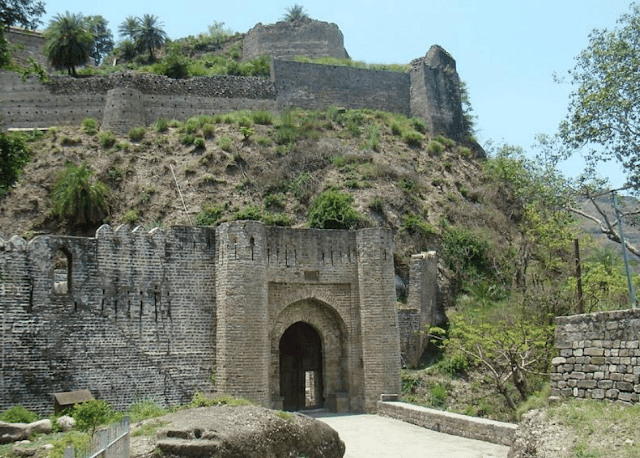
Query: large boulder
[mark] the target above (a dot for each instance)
(240, 432)
(14, 432)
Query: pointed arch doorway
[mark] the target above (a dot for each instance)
(301, 381)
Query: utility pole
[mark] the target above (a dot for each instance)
(632, 294)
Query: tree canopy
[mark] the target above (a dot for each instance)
(295, 13)
(68, 42)
(102, 37)
(149, 34)
(21, 12)
(604, 111)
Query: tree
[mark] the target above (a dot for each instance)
(128, 27)
(604, 111)
(14, 154)
(295, 13)
(149, 34)
(68, 42)
(102, 37)
(21, 12)
(78, 198)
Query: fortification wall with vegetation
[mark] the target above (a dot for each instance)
(67, 101)
(599, 356)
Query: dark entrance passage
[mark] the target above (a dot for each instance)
(301, 368)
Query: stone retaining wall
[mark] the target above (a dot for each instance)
(450, 423)
(599, 356)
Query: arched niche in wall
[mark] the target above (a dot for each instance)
(62, 268)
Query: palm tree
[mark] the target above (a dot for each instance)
(295, 13)
(128, 27)
(149, 34)
(68, 42)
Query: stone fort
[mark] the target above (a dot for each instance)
(290, 318)
(430, 90)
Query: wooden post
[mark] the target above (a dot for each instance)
(576, 250)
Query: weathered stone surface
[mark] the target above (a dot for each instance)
(609, 361)
(66, 423)
(13, 432)
(239, 432)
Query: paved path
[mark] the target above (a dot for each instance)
(371, 436)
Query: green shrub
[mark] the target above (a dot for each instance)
(332, 210)
(435, 147)
(91, 415)
(466, 252)
(396, 129)
(377, 204)
(14, 155)
(445, 141)
(225, 143)
(90, 126)
(199, 143)
(131, 216)
(246, 132)
(173, 65)
(262, 117)
(208, 130)
(136, 134)
(76, 439)
(416, 225)
(438, 396)
(248, 213)
(161, 125)
(277, 219)
(209, 216)
(188, 139)
(413, 138)
(144, 409)
(419, 125)
(78, 198)
(107, 139)
(18, 414)
(264, 141)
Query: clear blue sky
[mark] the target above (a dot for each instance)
(507, 51)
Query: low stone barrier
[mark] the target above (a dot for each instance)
(450, 423)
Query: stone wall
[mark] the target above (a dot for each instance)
(599, 356)
(450, 423)
(125, 100)
(26, 44)
(420, 309)
(135, 314)
(317, 87)
(286, 40)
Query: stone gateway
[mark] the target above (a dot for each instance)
(290, 318)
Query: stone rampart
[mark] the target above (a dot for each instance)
(26, 44)
(599, 356)
(124, 100)
(135, 314)
(315, 86)
(286, 40)
(450, 423)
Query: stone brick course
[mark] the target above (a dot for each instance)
(599, 356)
(450, 423)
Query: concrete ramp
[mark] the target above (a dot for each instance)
(373, 436)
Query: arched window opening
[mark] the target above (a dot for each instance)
(62, 267)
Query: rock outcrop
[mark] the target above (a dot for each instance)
(235, 432)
